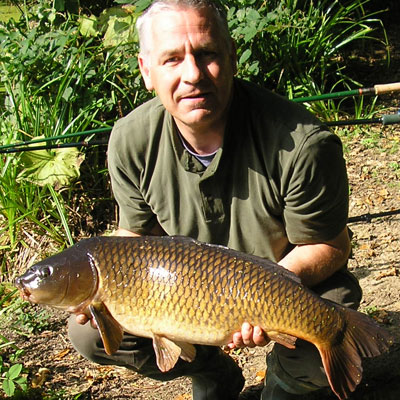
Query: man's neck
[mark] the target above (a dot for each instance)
(202, 141)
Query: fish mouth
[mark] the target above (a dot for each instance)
(25, 293)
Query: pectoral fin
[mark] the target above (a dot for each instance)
(168, 352)
(282, 338)
(110, 330)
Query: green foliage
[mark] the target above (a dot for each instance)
(71, 66)
(20, 315)
(11, 377)
(296, 47)
(11, 372)
(58, 78)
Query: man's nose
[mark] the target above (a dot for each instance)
(192, 72)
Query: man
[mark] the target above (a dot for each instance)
(226, 162)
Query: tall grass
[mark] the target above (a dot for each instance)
(297, 47)
(55, 81)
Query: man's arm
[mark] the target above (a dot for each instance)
(155, 231)
(313, 263)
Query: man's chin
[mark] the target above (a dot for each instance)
(198, 116)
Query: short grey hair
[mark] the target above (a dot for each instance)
(143, 23)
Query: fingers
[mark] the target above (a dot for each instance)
(249, 336)
(82, 319)
(260, 338)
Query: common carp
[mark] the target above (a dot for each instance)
(180, 292)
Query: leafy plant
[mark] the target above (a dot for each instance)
(20, 315)
(55, 76)
(11, 374)
(296, 47)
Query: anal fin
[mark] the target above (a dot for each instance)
(188, 352)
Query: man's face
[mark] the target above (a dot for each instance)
(190, 66)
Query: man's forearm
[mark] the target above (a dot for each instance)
(313, 263)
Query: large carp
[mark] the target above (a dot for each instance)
(181, 292)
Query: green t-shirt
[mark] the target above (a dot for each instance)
(279, 178)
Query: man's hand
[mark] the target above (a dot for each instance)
(249, 336)
(83, 319)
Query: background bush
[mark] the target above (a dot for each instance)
(70, 66)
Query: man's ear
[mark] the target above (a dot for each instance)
(233, 56)
(145, 71)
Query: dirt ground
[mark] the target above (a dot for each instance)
(374, 173)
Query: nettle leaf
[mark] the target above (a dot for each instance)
(252, 14)
(249, 32)
(56, 167)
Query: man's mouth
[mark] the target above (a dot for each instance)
(195, 95)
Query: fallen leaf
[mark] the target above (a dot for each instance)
(392, 272)
(260, 375)
(185, 396)
(62, 354)
(382, 317)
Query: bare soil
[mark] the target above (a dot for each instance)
(56, 371)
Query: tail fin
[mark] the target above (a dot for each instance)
(361, 337)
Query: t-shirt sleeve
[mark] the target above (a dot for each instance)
(125, 169)
(316, 196)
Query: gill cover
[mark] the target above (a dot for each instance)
(67, 280)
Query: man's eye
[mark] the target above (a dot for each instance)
(208, 54)
(171, 60)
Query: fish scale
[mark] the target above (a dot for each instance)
(181, 292)
(210, 274)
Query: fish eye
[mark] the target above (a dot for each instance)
(45, 271)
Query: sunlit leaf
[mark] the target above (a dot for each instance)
(56, 167)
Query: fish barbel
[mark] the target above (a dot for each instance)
(180, 292)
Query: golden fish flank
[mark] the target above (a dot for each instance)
(180, 292)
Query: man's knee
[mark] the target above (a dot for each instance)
(84, 339)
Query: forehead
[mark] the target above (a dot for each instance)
(174, 25)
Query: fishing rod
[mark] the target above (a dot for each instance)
(388, 119)
(50, 138)
(19, 147)
(371, 91)
(54, 146)
(368, 217)
(375, 90)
